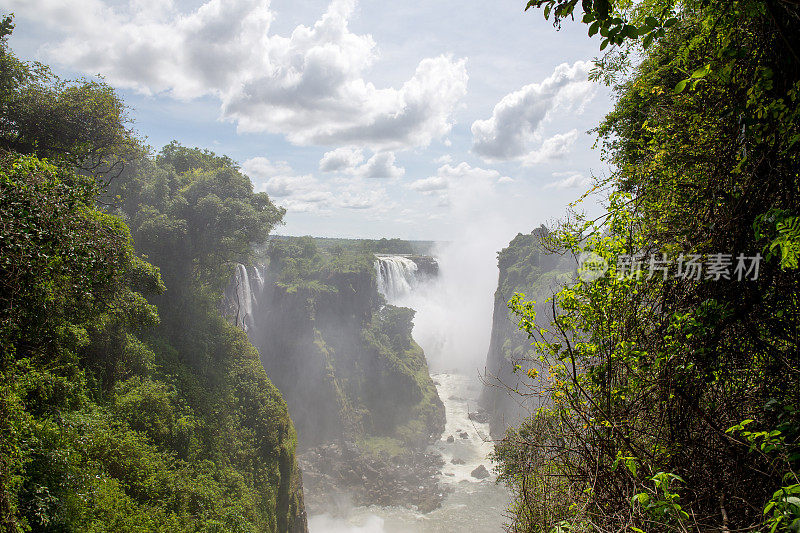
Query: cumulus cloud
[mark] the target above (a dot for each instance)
(261, 168)
(515, 126)
(432, 183)
(340, 159)
(380, 166)
(283, 186)
(346, 161)
(364, 199)
(306, 193)
(308, 86)
(555, 147)
(569, 180)
(459, 177)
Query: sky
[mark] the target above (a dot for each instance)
(420, 120)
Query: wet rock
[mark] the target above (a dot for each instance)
(479, 416)
(480, 472)
(451, 439)
(411, 479)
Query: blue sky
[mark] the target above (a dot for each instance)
(421, 120)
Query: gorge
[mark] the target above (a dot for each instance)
(348, 338)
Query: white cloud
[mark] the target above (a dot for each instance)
(341, 159)
(346, 160)
(365, 199)
(308, 86)
(459, 177)
(569, 180)
(516, 122)
(260, 168)
(305, 193)
(446, 158)
(463, 171)
(283, 186)
(432, 183)
(556, 147)
(379, 166)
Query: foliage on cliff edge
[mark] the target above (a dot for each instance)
(674, 401)
(120, 411)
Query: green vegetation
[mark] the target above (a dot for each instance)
(127, 403)
(674, 403)
(334, 245)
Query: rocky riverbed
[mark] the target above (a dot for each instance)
(341, 470)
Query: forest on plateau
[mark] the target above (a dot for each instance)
(127, 401)
(674, 401)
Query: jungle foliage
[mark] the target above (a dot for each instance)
(675, 402)
(127, 403)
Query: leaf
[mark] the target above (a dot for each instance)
(594, 28)
(602, 9)
(702, 72)
(670, 22)
(630, 31)
(680, 86)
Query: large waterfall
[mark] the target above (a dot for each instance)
(397, 276)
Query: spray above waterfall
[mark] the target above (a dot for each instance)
(453, 308)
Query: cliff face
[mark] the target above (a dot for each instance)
(526, 267)
(346, 365)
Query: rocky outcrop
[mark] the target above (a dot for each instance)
(480, 472)
(426, 265)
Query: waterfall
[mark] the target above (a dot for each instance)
(396, 276)
(259, 278)
(246, 295)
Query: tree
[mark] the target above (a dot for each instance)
(82, 123)
(674, 401)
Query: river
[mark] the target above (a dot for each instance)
(477, 506)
